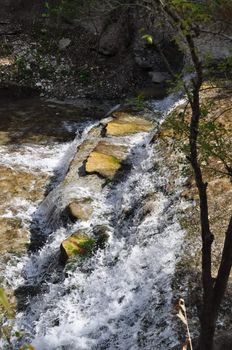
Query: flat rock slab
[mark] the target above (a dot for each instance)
(82, 153)
(126, 124)
(13, 237)
(116, 150)
(106, 159)
(81, 188)
(80, 209)
(103, 164)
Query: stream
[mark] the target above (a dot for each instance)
(121, 296)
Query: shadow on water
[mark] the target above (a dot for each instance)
(42, 121)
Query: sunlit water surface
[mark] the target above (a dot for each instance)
(121, 297)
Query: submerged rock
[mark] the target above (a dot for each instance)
(77, 244)
(13, 236)
(101, 232)
(11, 90)
(154, 91)
(80, 209)
(125, 124)
(223, 341)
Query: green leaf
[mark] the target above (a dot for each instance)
(148, 38)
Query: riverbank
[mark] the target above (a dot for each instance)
(102, 57)
(173, 135)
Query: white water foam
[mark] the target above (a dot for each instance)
(39, 159)
(121, 297)
(168, 104)
(42, 158)
(34, 158)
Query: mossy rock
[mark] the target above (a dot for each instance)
(78, 244)
(103, 164)
(80, 209)
(126, 124)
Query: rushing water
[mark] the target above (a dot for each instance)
(36, 143)
(121, 297)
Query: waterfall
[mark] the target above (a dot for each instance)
(121, 296)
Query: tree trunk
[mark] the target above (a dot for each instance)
(207, 322)
(208, 315)
(212, 294)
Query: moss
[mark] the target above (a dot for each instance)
(78, 244)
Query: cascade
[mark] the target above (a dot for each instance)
(119, 297)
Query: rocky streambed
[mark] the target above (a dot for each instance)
(34, 136)
(102, 245)
(99, 229)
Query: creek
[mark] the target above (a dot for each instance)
(120, 297)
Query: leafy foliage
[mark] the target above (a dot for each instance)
(148, 38)
(65, 9)
(214, 140)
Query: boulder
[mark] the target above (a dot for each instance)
(64, 43)
(77, 244)
(159, 77)
(82, 153)
(80, 209)
(115, 37)
(106, 159)
(126, 124)
(96, 131)
(103, 164)
(80, 189)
